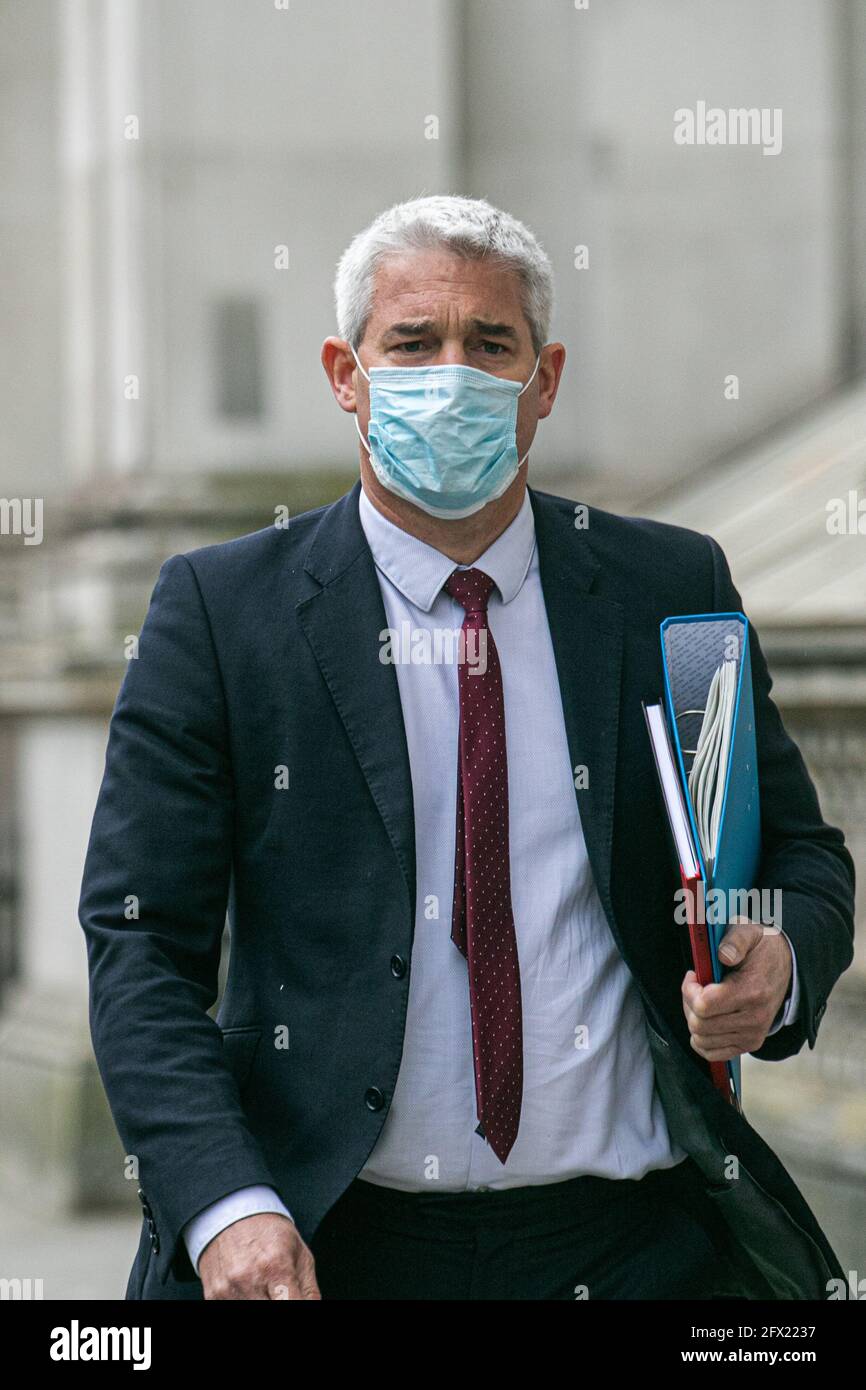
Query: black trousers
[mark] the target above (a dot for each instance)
(587, 1238)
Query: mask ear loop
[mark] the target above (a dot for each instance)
(520, 393)
(534, 370)
(361, 437)
(358, 360)
(357, 426)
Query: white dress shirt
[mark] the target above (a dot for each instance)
(589, 1099)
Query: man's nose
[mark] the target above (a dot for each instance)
(452, 353)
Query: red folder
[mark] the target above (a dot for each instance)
(702, 961)
(690, 872)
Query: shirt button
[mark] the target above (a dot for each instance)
(482, 1189)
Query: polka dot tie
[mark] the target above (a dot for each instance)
(482, 924)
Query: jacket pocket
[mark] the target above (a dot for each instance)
(239, 1049)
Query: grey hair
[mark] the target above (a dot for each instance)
(469, 227)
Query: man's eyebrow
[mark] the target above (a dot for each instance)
(421, 326)
(404, 329)
(495, 330)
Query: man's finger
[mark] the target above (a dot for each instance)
(719, 1054)
(740, 938)
(285, 1287)
(726, 1038)
(722, 1025)
(714, 1001)
(300, 1284)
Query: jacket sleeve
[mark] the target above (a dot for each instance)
(152, 907)
(803, 857)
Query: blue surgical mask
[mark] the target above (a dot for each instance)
(443, 437)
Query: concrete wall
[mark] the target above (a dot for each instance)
(262, 127)
(30, 244)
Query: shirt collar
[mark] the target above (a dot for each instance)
(419, 570)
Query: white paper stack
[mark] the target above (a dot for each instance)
(709, 769)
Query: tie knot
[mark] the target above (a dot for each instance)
(472, 588)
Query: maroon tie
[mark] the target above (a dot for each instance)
(482, 925)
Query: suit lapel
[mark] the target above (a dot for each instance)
(587, 635)
(342, 623)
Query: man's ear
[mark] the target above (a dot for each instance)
(341, 369)
(550, 370)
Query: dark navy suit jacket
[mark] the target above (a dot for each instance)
(263, 652)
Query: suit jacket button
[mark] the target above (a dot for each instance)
(374, 1099)
(154, 1243)
(398, 967)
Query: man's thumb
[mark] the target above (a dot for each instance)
(740, 938)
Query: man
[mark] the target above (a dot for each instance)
(459, 1053)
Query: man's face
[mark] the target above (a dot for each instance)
(432, 308)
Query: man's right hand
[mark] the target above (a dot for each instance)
(260, 1256)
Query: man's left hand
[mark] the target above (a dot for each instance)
(735, 1016)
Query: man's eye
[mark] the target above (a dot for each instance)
(416, 345)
